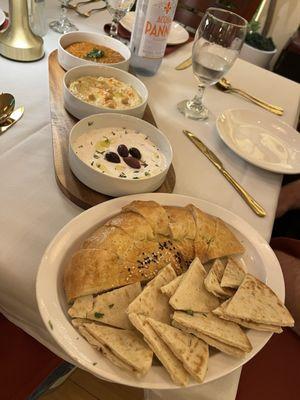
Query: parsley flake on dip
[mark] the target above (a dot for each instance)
(120, 152)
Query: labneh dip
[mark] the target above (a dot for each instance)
(120, 152)
(105, 92)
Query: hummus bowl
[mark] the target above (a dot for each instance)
(80, 108)
(129, 179)
(68, 60)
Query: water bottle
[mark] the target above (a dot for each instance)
(37, 12)
(149, 36)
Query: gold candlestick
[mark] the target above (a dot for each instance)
(18, 42)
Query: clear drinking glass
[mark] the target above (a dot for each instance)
(217, 43)
(63, 25)
(118, 9)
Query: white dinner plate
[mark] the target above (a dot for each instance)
(259, 259)
(261, 139)
(2, 17)
(178, 34)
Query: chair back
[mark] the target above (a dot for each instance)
(190, 12)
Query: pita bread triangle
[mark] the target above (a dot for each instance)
(124, 344)
(174, 367)
(224, 242)
(105, 351)
(170, 288)
(221, 312)
(217, 328)
(205, 231)
(110, 308)
(151, 302)
(233, 274)
(191, 351)
(81, 306)
(256, 302)
(191, 293)
(225, 348)
(212, 281)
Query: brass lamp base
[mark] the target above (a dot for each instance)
(28, 49)
(18, 42)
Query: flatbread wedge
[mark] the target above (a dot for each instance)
(174, 367)
(212, 281)
(81, 307)
(110, 308)
(191, 293)
(152, 302)
(224, 242)
(224, 348)
(205, 231)
(256, 302)
(221, 312)
(153, 213)
(233, 274)
(191, 351)
(124, 344)
(105, 351)
(217, 328)
(181, 223)
(170, 288)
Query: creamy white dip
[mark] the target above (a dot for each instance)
(105, 92)
(92, 148)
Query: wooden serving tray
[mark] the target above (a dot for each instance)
(62, 122)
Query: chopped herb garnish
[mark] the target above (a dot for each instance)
(147, 173)
(110, 305)
(95, 53)
(135, 177)
(92, 163)
(98, 315)
(96, 156)
(90, 123)
(136, 172)
(122, 175)
(50, 324)
(94, 363)
(80, 146)
(190, 312)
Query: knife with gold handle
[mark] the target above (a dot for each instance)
(257, 208)
(184, 64)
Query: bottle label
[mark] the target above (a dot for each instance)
(159, 16)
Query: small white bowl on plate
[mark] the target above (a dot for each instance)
(108, 184)
(80, 109)
(68, 61)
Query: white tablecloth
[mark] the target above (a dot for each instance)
(33, 209)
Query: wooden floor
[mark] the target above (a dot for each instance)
(81, 385)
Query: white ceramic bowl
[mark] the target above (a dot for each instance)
(68, 61)
(110, 185)
(80, 109)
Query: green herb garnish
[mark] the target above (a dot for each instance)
(95, 53)
(190, 312)
(110, 305)
(50, 324)
(147, 173)
(98, 315)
